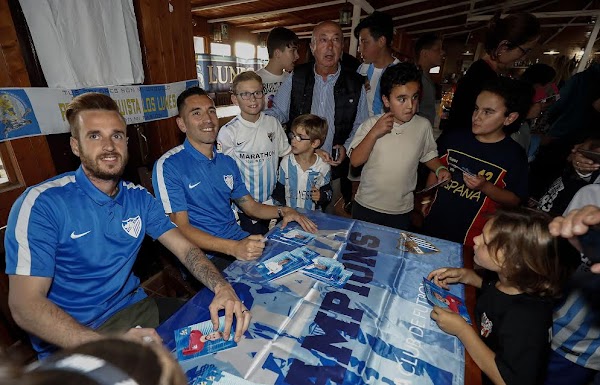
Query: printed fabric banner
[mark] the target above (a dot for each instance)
(41, 111)
(216, 72)
(375, 329)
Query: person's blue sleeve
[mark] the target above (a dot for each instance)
(362, 113)
(31, 238)
(281, 101)
(168, 187)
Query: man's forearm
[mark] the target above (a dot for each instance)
(256, 210)
(203, 269)
(46, 320)
(207, 241)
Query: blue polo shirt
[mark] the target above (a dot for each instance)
(68, 230)
(184, 179)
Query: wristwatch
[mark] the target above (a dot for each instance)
(279, 212)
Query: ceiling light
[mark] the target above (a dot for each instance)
(346, 15)
(551, 52)
(467, 53)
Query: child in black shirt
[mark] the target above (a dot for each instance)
(514, 311)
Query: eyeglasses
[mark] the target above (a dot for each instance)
(524, 50)
(247, 95)
(297, 137)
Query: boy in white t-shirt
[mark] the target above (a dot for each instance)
(282, 45)
(304, 179)
(256, 142)
(390, 146)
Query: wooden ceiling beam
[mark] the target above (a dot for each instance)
(400, 5)
(436, 9)
(276, 11)
(469, 19)
(221, 5)
(548, 40)
(543, 15)
(364, 4)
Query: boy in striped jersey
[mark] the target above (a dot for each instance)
(304, 178)
(256, 142)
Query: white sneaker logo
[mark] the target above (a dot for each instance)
(75, 236)
(191, 186)
(132, 226)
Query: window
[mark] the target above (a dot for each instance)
(220, 49)
(263, 53)
(245, 50)
(3, 175)
(9, 172)
(199, 45)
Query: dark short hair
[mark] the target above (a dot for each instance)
(531, 259)
(426, 41)
(145, 364)
(517, 95)
(85, 102)
(244, 77)
(281, 38)
(315, 126)
(379, 24)
(397, 75)
(186, 94)
(538, 73)
(517, 29)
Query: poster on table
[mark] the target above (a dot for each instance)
(376, 329)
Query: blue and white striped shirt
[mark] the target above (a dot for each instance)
(299, 183)
(576, 327)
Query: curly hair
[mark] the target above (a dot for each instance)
(397, 75)
(531, 259)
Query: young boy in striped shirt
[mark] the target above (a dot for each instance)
(304, 178)
(256, 142)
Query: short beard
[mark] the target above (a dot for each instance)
(92, 167)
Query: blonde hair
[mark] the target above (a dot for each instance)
(244, 77)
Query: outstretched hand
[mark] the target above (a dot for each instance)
(226, 298)
(576, 223)
(289, 215)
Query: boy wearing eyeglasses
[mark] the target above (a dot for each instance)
(256, 142)
(304, 179)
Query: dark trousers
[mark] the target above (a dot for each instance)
(397, 221)
(564, 372)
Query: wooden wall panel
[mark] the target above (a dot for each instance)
(33, 159)
(168, 49)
